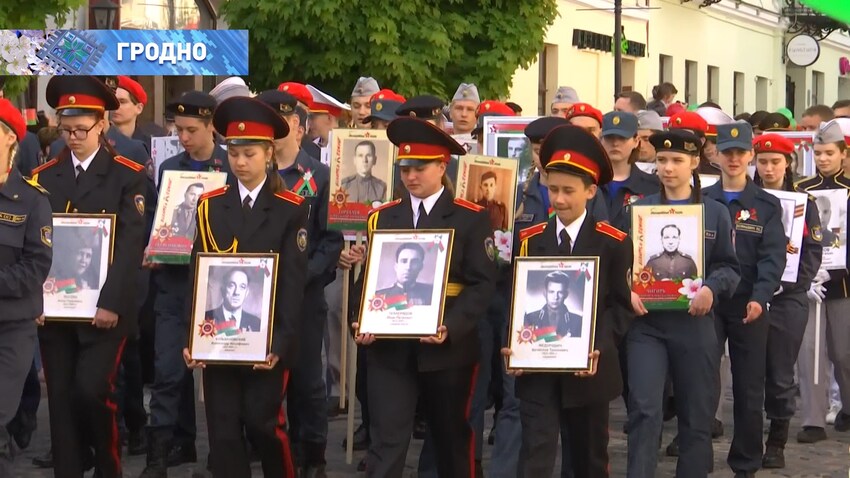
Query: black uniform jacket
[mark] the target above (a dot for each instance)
(470, 268)
(278, 224)
(613, 310)
(26, 247)
(110, 185)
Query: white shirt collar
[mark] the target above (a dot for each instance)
(572, 229)
(237, 315)
(84, 163)
(428, 201)
(243, 191)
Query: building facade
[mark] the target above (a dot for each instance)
(731, 52)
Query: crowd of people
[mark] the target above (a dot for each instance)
(590, 168)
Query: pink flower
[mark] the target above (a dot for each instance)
(690, 287)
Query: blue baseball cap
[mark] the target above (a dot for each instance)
(734, 135)
(619, 123)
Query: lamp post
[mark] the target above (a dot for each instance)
(103, 12)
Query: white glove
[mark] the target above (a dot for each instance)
(822, 276)
(816, 292)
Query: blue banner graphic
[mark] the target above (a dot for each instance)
(124, 52)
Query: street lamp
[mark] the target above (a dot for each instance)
(104, 12)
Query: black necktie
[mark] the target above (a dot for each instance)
(422, 214)
(564, 246)
(246, 206)
(80, 172)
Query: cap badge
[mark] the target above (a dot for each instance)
(72, 99)
(690, 146)
(111, 82)
(359, 90)
(180, 108)
(379, 106)
(678, 120)
(734, 132)
(775, 125)
(381, 96)
(435, 111)
(616, 120)
(567, 156)
(413, 114)
(767, 144)
(204, 111)
(285, 87)
(464, 93)
(241, 126)
(407, 149)
(286, 108)
(486, 106)
(667, 143)
(581, 108)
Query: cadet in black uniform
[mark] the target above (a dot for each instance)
(576, 165)
(831, 152)
(743, 320)
(441, 367)
(81, 359)
(310, 179)
(681, 344)
(257, 215)
(790, 306)
(26, 251)
(171, 431)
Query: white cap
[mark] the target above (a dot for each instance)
(322, 98)
(649, 119)
(829, 132)
(229, 88)
(714, 116)
(844, 124)
(365, 86)
(467, 91)
(566, 94)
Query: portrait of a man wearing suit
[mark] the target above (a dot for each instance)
(235, 287)
(556, 286)
(409, 261)
(183, 220)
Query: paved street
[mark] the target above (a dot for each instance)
(826, 459)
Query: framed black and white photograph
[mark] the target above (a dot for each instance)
(668, 254)
(504, 136)
(553, 313)
(793, 223)
(174, 224)
(832, 207)
(405, 283)
(82, 252)
(233, 308)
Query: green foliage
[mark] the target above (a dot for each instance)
(31, 15)
(410, 46)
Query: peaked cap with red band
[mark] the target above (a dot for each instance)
(244, 120)
(419, 142)
(773, 143)
(134, 88)
(584, 109)
(572, 150)
(689, 120)
(79, 95)
(298, 90)
(12, 117)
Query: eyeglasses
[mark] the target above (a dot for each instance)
(76, 133)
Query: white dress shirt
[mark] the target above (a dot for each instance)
(572, 230)
(428, 202)
(243, 191)
(84, 163)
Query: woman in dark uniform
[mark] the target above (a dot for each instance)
(440, 369)
(26, 230)
(790, 306)
(257, 215)
(681, 344)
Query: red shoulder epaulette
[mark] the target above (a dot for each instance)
(45, 166)
(610, 230)
(468, 204)
(213, 193)
(385, 205)
(531, 231)
(290, 196)
(129, 163)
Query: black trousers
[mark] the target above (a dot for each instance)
(80, 379)
(240, 400)
(747, 353)
(542, 420)
(130, 388)
(446, 398)
(789, 314)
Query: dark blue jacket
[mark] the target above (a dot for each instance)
(614, 208)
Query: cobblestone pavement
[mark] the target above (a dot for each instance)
(826, 459)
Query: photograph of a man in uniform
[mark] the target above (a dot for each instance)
(671, 263)
(363, 187)
(409, 262)
(555, 313)
(183, 219)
